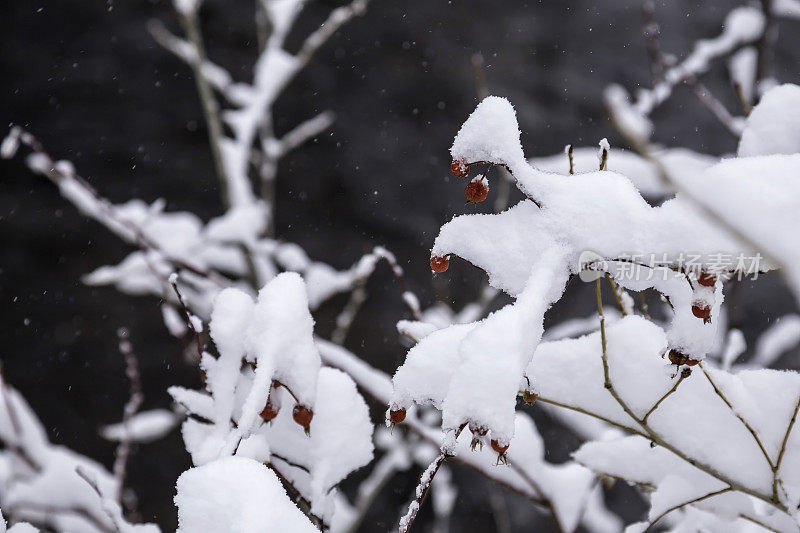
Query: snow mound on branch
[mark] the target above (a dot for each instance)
(773, 126)
(238, 495)
(146, 426)
(340, 441)
(694, 418)
(489, 134)
(275, 336)
(566, 486)
(642, 173)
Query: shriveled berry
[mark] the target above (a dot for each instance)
(691, 362)
(706, 280)
(496, 446)
(269, 412)
(397, 415)
(302, 415)
(478, 431)
(677, 358)
(476, 191)
(701, 310)
(459, 168)
(529, 397)
(440, 263)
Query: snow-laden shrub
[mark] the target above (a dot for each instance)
(282, 416)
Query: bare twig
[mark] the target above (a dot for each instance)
(131, 408)
(345, 318)
(422, 488)
(776, 469)
(737, 415)
(679, 506)
(684, 374)
(90, 203)
(187, 315)
(766, 46)
(651, 34)
(191, 25)
(302, 503)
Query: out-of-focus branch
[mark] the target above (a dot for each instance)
(215, 75)
(336, 19)
(131, 408)
(83, 196)
(191, 26)
(736, 34)
(658, 63)
(765, 47)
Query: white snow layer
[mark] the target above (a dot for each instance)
(236, 495)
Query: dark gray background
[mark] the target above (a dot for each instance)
(87, 79)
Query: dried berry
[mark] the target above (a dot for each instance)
(440, 263)
(459, 168)
(701, 310)
(706, 280)
(691, 362)
(677, 358)
(529, 397)
(476, 191)
(302, 415)
(397, 415)
(501, 449)
(269, 412)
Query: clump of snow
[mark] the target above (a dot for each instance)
(773, 126)
(144, 426)
(489, 134)
(236, 494)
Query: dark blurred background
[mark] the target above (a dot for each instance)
(88, 80)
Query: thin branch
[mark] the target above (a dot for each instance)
(191, 25)
(658, 63)
(424, 484)
(131, 408)
(618, 292)
(740, 417)
(758, 522)
(336, 19)
(686, 373)
(345, 319)
(606, 371)
(649, 433)
(187, 316)
(302, 503)
(83, 196)
(765, 46)
(776, 469)
(652, 31)
(215, 75)
(62, 510)
(679, 506)
(383, 470)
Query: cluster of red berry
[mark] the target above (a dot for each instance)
(477, 189)
(301, 414)
(699, 308)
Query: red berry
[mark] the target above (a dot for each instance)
(397, 415)
(701, 310)
(440, 263)
(706, 280)
(269, 412)
(691, 362)
(677, 358)
(476, 191)
(498, 448)
(459, 168)
(302, 415)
